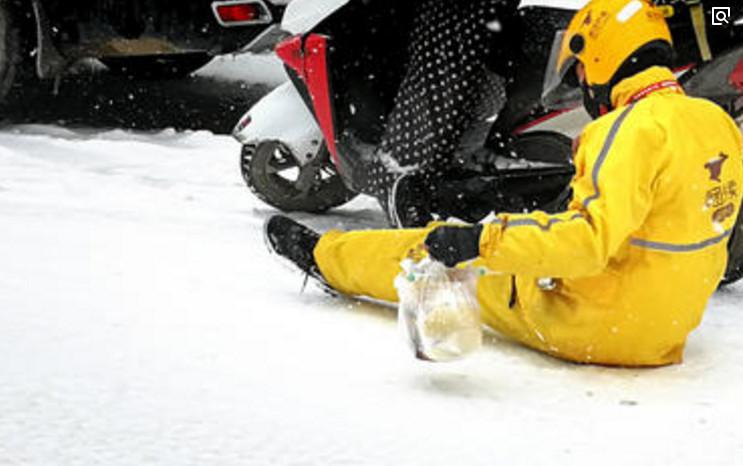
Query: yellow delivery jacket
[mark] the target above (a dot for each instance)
(636, 256)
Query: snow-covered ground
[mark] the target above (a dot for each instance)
(142, 322)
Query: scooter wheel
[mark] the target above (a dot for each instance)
(734, 270)
(274, 176)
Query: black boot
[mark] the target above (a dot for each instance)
(294, 242)
(409, 203)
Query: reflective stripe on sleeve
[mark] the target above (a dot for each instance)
(670, 247)
(529, 222)
(604, 152)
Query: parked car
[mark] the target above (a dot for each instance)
(143, 38)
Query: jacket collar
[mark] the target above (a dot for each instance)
(654, 80)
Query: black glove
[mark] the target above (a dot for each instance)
(451, 245)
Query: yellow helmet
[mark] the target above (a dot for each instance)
(604, 35)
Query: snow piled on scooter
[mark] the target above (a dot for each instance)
(248, 68)
(142, 322)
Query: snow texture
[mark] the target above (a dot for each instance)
(142, 322)
(246, 67)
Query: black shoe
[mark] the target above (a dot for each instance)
(409, 203)
(294, 242)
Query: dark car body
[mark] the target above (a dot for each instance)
(150, 38)
(93, 27)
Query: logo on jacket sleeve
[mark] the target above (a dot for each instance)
(721, 198)
(715, 167)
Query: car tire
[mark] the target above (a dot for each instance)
(164, 66)
(9, 49)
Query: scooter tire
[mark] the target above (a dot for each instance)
(261, 166)
(734, 270)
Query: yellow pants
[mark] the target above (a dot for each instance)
(365, 263)
(569, 323)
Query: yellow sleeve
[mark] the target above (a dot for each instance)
(612, 194)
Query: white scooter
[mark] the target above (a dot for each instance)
(290, 155)
(285, 160)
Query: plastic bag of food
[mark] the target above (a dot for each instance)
(439, 314)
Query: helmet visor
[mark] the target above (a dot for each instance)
(561, 88)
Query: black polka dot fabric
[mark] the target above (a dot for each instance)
(447, 96)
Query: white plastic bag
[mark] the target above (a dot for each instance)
(439, 314)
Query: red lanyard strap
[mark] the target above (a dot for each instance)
(668, 84)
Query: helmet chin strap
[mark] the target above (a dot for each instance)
(596, 99)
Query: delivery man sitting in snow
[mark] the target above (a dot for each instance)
(642, 245)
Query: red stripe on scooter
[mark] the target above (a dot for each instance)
(683, 69)
(736, 76)
(556, 113)
(541, 120)
(291, 53)
(318, 85)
